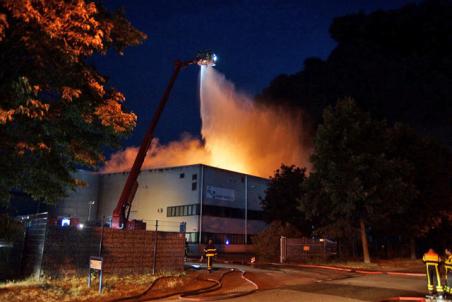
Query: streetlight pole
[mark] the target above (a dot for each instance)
(90, 203)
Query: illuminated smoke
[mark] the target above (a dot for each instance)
(237, 134)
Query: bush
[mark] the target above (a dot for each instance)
(267, 241)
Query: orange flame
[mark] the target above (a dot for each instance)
(237, 133)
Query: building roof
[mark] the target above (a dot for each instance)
(180, 167)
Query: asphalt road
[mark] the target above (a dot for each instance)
(279, 284)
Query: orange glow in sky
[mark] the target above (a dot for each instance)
(237, 134)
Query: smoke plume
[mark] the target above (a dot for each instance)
(237, 134)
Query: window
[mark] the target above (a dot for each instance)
(229, 212)
(196, 210)
(182, 175)
(255, 215)
(194, 177)
(185, 210)
(191, 237)
(194, 186)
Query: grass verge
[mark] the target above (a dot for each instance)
(72, 289)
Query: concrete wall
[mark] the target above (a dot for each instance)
(67, 251)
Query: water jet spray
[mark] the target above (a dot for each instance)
(237, 134)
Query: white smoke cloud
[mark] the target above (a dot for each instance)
(238, 135)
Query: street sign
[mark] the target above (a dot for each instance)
(95, 264)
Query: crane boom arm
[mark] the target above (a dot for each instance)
(121, 212)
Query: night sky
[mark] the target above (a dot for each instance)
(254, 40)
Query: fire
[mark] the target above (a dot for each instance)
(237, 133)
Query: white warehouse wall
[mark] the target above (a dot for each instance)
(159, 189)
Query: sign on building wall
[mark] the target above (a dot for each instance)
(218, 193)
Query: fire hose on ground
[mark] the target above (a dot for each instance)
(368, 272)
(351, 270)
(194, 295)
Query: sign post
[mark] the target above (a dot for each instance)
(95, 264)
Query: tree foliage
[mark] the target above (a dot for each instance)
(396, 64)
(282, 198)
(56, 110)
(366, 176)
(431, 174)
(354, 182)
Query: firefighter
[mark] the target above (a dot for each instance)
(448, 272)
(432, 261)
(210, 251)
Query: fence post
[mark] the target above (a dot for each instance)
(155, 246)
(43, 243)
(282, 249)
(101, 239)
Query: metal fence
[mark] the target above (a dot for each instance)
(151, 225)
(44, 247)
(301, 249)
(35, 236)
(165, 226)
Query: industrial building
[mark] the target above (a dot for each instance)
(205, 202)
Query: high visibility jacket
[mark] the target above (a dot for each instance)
(448, 261)
(431, 257)
(448, 273)
(210, 251)
(432, 261)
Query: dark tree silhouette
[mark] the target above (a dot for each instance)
(431, 174)
(354, 182)
(282, 198)
(396, 64)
